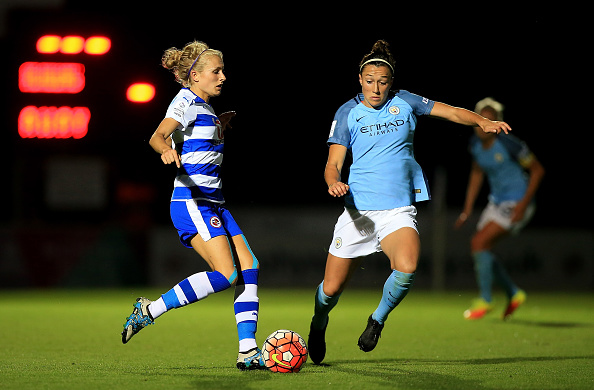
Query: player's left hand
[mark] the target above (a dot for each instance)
(495, 127)
(225, 119)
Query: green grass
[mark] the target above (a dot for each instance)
(71, 340)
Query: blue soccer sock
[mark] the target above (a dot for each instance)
(246, 306)
(189, 290)
(323, 305)
(503, 279)
(483, 266)
(395, 289)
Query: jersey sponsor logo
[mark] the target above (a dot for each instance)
(382, 128)
(215, 222)
(219, 128)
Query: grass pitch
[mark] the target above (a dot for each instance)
(71, 340)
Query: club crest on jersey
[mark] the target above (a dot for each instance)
(338, 242)
(215, 222)
(394, 110)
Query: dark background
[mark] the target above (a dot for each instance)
(289, 66)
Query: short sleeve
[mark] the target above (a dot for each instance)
(419, 104)
(177, 110)
(339, 131)
(517, 149)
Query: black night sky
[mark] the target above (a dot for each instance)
(289, 66)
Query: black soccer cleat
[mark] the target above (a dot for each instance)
(370, 335)
(316, 343)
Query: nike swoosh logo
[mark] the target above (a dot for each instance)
(275, 359)
(360, 118)
(393, 302)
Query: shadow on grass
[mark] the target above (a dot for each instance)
(377, 373)
(410, 374)
(553, 324)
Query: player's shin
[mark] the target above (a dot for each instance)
(395, 289)
(483, 266)
(323, 305)
(189, 290)
(246, 306)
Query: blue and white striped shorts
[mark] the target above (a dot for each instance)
(191, 217)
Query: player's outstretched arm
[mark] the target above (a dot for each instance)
(468, 118)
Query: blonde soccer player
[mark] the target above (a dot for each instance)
(191, 137)
(504, 160)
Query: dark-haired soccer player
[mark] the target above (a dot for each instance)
(378, 127)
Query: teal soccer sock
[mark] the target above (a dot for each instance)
(323, 305)
(395, 289)
(483, 266)
(503, 279)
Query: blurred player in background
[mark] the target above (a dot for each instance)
(503, 159)
(377, 126)
(191, 137)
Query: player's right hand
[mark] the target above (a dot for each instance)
(461, 220)
(338, 189)
(170, 156)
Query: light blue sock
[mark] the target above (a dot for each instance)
(503, 279)
(323, 305)
(395, 289)
(483, 266)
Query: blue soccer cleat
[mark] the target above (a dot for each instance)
(139, 319)
(250, 360)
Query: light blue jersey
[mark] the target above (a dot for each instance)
(503, 164)
(384, 174)
(199, 141)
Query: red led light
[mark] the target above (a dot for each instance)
(54, 122)
(97, 45)
(140, 92)
(72, 44)
(51, 77)
(48, 44)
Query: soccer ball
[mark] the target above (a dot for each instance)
(284, 351)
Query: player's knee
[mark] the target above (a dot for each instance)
(407, 267)
(477, 243)
(332, 289)
(231, 276)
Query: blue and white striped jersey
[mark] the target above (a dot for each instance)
(199, 141)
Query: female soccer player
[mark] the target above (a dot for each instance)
(503, 160)
(377, 126)
(192, 137)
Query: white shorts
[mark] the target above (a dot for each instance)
(359, 233)
(501, 214)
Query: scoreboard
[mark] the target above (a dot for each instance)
(59, 76)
